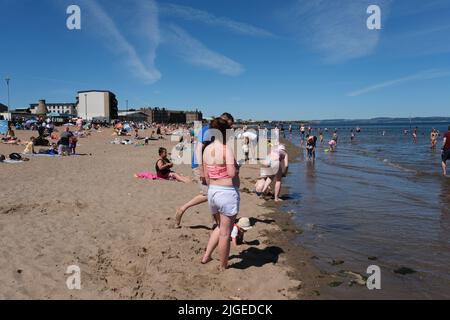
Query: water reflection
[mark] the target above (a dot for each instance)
(445, 211)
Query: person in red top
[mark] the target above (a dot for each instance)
(446, 151)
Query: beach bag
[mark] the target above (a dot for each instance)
(15, 156)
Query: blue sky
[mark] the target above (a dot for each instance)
(258, 59)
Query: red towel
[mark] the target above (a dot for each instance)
(148, 176)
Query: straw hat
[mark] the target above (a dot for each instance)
(282, 147)
(244, 223)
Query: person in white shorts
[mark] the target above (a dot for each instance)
(222, 176)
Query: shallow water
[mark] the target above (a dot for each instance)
(383, 197)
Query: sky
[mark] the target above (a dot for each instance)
(257, 59)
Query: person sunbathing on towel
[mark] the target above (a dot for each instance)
(163, 168)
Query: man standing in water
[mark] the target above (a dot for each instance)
(311, 147)
(446, 151)
(302, 132)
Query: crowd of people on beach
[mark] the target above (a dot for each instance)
(215, 164)
(216, 170)
(53, 141)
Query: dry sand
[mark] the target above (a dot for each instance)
(90, 211)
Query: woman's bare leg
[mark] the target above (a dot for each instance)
(180, 178)
(194, 202)
(267, 185)
(278, 188)
(226, 225)
(212, 245)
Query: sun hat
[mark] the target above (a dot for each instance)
(244, 223)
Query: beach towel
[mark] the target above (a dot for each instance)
(148, 176)
(13, 161)
(42, 155)
(52, 155)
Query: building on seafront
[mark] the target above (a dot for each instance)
(3, 108)
(61, 108)
(97, 105)
(167, 116)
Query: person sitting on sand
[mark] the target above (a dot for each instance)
(52, 151)
(163, 166)
(10, 137)
(29, 149)
(118, 128)
(240, 227)
(64, 142)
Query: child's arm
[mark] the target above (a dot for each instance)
(234, 235)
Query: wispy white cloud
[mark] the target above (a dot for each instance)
(335, 29)
(196, 53)
(424, 75)
(192, 14)
(118, 43)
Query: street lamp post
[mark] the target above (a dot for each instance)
(7, 84)
(85, 106)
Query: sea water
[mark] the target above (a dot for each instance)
(380, 200)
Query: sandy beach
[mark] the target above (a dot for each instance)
(90, 211)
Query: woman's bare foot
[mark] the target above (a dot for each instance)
(221, 268)
(178, 217)
(278, 200)
(206, 260)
